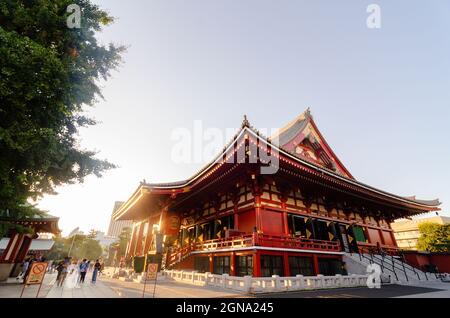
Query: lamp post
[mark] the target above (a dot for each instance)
(71, 245)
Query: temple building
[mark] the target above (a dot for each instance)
(17, 245)
(284, 205)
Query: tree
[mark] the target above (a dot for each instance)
(124, 238)
(83, 247)
(91, 249)
(434, 237)
(119, 248)
(92, 234)
(49, 74)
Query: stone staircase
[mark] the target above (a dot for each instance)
(393, 268)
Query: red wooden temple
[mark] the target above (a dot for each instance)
(19, 243)
(232, 218)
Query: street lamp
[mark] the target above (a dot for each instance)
(71, 245)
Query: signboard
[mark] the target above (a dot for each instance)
(152, 274)
(37, 273)
(152, 271)
(35, 276)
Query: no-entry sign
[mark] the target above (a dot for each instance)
(152, 271)
(35, 276)
(37, 273)
(152, 274)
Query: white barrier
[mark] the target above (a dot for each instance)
(266, 284)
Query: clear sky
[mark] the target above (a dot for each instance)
(379, 96)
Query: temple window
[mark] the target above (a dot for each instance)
(244, 265)
(358, 231)
(271, 265)
(201, 264)
(330, 267)
(321, 230)
(297, 225)
(300, 265)
(222, 265)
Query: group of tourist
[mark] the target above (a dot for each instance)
(69, 271)
(74, 273)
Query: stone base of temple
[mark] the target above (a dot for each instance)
(5, 271)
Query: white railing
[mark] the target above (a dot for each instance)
(266, 284)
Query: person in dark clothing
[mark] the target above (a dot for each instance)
(97, 267)
(34, 259)
(62, 273)
(83, 270)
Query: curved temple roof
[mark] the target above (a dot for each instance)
(283, 138)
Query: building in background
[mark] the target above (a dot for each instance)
(407, 234)
(116, 227)
(105, 240)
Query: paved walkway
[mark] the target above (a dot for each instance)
(386, 291)
(166, 289)
(443, 290)
(107, 287)
(85, 290)
(13, 290)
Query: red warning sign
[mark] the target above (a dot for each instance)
(152, 271)
(37, 273)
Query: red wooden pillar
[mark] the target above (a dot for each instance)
(138, 248)
(256, 264)
(380, 233)
(316, 264)
(23, 248)
(233, 264)
(132, 244)
(9, 254)
(366, 232)
(236, 219)
(285, 216)
(287, 269)
(148, 237)
(258, 213)
(4, 257)
(211, 263)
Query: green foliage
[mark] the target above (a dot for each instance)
(92, 234)
(119, 248)
(124, 238)
(48, 75)
(83, 247)
(434, 237)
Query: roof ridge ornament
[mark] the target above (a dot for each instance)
(245, 122)
(308, 112)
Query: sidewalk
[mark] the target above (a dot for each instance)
(13, 290)
(443, 290)
(86, 290)
(166, 289)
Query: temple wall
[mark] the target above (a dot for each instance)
(247, 221)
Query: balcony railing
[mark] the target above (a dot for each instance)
(372, 248)
(254, 239)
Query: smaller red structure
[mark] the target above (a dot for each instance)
(19, 243)
(429, 262)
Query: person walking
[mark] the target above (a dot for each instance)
(62, 273)
(25, 265)
(83, 270)
(97, 267)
